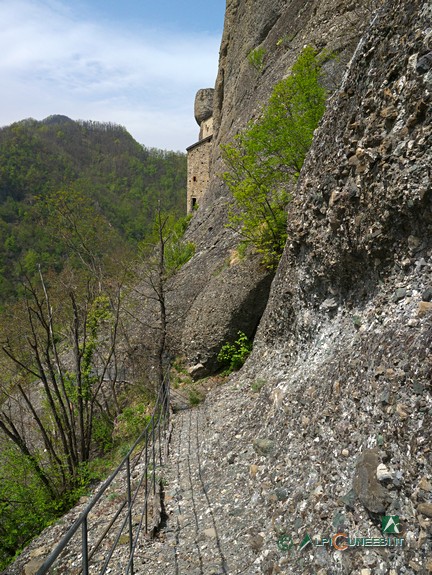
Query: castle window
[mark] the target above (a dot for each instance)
(194, 201)
(194, 179)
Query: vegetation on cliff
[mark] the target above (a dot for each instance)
(77, 383)
(265, 159)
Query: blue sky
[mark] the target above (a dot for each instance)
(137, 63)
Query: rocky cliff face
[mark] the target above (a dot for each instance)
(328, 427)
(336, 398)
(343, 350)
(219, 294)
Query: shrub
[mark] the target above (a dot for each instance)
(132, 421)
(195, 397)
(265, 160)
(233, 355)
(25, 506)
(256, 58)
(102, 433)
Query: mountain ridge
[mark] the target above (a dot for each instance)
(120, 179)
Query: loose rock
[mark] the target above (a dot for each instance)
(366, 486)
(264, 446)
(425, 509)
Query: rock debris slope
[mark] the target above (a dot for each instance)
(344, 347)
(341, 427)
(212, 503)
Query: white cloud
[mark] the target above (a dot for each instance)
(54, 64)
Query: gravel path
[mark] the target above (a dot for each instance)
(193, 539)
(210, 497)
(193, 529)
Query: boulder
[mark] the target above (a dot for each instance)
(203, 108)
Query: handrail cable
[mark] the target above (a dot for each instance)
(151, 434)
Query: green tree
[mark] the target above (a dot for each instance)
(265, 159)
(233, 355)
(93, 167)
(89, 241)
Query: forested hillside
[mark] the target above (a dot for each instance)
(79, 206)
(52, 169)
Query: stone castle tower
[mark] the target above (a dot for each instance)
(198, 155)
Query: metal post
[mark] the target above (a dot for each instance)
(81, 523)
(153, 458)
(159, 436)
(84, 547)
(129, 496)
(146, 481)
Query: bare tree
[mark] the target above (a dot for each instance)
(161, 257)
(65, 346)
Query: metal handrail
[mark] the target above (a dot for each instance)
(155, 431)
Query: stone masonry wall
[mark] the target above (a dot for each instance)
(206, 128)
(198, 172)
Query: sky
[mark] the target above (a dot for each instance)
(138, 63)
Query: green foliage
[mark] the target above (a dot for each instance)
(179, 375)
(85, 235)
(26, 508)
(256, 58)
(178, 366)
(102, 432)
(100, 312)
(178, 250)
(132, 421)
(75, 201)
(170, 230)
(58, 173)
(25, 505)
(233, 355)
(242, 250)
(265, 160)
(71, 319)
(195, 397)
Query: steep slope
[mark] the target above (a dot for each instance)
(343, 350)
(221, 294)
(327, 429)
(336, 399)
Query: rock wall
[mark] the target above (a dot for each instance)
(328, 427)
(361, 214)
(342, 355)
(208, 288)
(281, 29)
